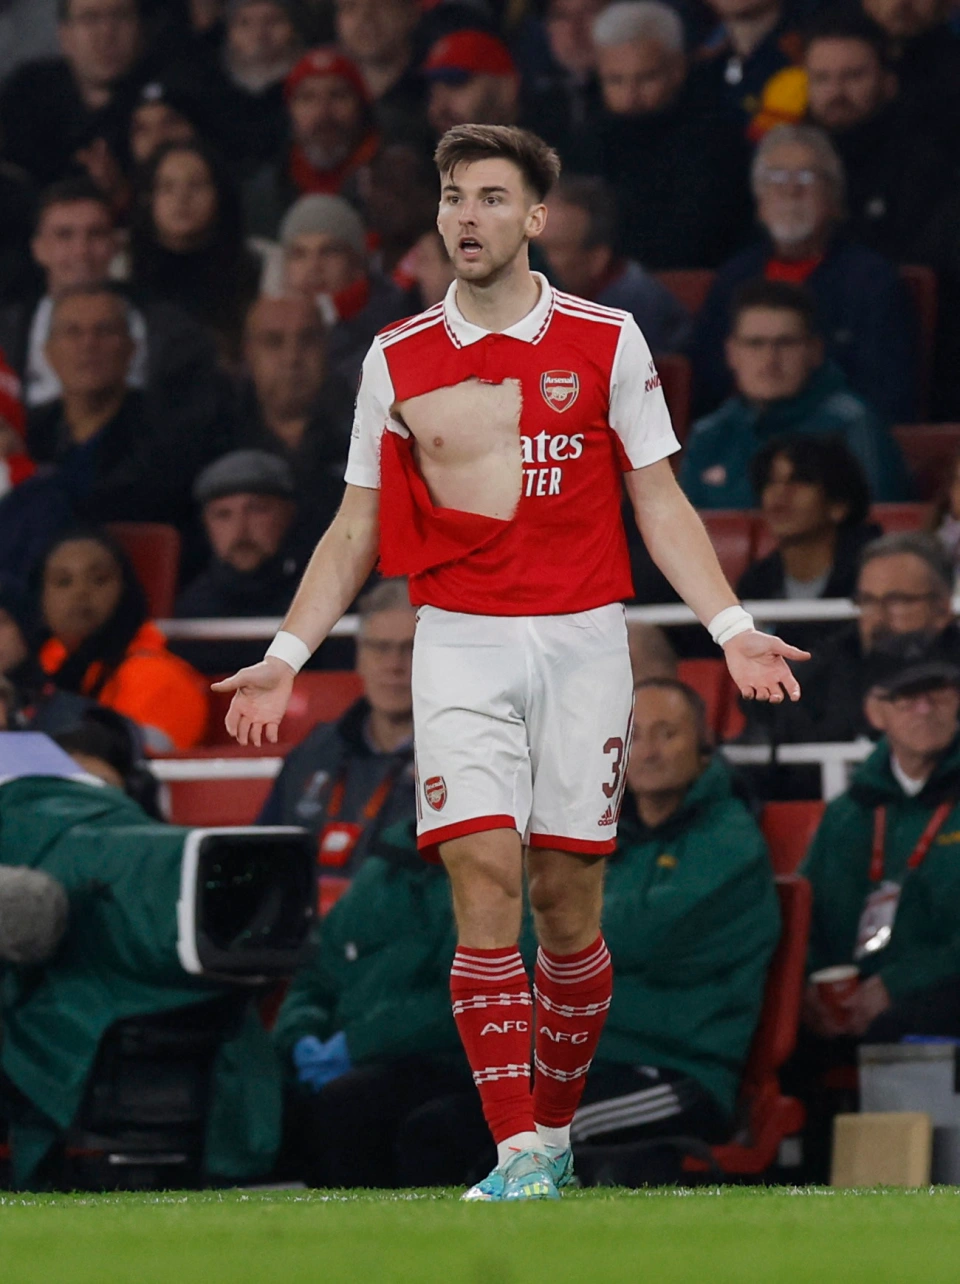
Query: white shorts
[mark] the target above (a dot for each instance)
(522, 722)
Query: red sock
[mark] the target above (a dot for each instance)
(493, 1008)
(573, 995)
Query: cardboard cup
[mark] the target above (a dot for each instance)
(835, 985)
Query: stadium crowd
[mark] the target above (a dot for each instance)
(208, 208)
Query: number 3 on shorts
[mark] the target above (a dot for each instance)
(615, 746)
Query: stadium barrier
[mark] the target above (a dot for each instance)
(834, 761)
(669, 614)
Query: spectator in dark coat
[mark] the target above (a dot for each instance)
(332, 134)
(324, 260)
(926, 57)
(895, 172)
(903, 587)
(295, 406)
(378, 35)
(114, 461)
(349, 779)
(559, 90)
(187, 242)
(579, 243)
(679, 171)
(243, 88)
(754, 42)
(248, 506)
(814, 499)
(864, 312)
(60, 115)
(73, 244)
(939, 247)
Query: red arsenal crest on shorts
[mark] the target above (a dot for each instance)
(436, 791)
(560, 388)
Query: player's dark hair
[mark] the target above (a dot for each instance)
(818, 461)
(850, 24)
(595, 198)
(780, 296)
(536, 160)
(695, 703)
(69, 191)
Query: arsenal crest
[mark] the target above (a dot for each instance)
(560, 388)
(435, 789)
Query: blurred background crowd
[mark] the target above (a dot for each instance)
(207, 210)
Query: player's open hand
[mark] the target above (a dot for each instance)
(261, 693)
(758, 665)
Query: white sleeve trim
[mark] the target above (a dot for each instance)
(638, 411)
(371, 416)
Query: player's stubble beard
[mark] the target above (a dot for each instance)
(499, 268)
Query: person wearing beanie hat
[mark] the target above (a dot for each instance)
(324, 260)
(332, 134)
(163, 114)
(473, 80)
(33, 915)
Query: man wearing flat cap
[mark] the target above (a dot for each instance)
(247, 502)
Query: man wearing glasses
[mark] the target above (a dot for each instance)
(903, 592)
(862, 309)
(348, 779)
(783, 386)
(59, 114)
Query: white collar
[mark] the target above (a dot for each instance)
(908, 784)
(529, 329)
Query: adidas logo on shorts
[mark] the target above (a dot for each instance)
(608, 817)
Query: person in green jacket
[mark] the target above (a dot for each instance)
(116, 960)
(885, 868)
(691, 918)
(366, 1031)
(784, 385)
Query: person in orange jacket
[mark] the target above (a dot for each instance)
(100, 643)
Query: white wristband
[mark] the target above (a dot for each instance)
(290, 649)
(726, 624)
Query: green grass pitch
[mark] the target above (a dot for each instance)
(718, 1236)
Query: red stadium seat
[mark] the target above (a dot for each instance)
(690, 285)
(709, 679)
(768, 1116)
(731, 533)
(899, 517)
(154, 550)
(929, 450)
(320, 696)
(217, 802)
(677, 379)
(921, 283)
(789, 828)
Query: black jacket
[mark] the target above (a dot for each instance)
(764, 581)
(834, 683)
(136, 468)
(302, 792)
(222, 592)
(319, 463)
(680, 178)
(896, 174)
